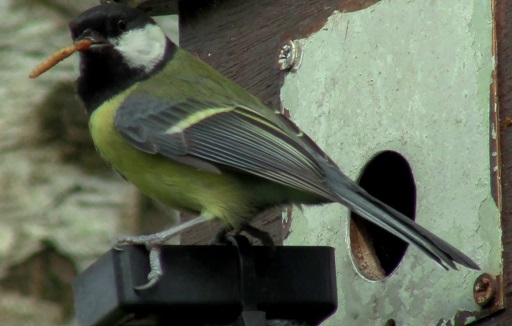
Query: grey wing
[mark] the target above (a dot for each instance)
(219, 137)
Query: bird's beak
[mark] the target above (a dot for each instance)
(97, 40)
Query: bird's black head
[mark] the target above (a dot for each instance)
(127, 47)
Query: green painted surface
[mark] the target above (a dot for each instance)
(412, 77)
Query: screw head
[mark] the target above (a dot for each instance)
(484, 289)
(290, 56)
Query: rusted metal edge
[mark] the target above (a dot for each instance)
(495, 127)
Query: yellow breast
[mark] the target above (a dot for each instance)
(177, 185)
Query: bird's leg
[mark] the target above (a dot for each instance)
(153, 244)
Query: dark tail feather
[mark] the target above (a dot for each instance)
(375, 211)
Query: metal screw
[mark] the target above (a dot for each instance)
(290, 56)
(484, 289)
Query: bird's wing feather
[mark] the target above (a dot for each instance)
(239, 138)
(227, 136)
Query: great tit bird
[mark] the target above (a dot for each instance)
(187, 136)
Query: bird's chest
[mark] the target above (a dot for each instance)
(144, 170)
(109, 143)
(177, 185)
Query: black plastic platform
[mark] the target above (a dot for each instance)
(205, 285)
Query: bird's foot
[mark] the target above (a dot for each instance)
(153, 243)
(264, 237)
(156, 268)
(261, 235)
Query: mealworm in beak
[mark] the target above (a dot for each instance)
(58, 56)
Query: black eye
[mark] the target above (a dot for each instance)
(121, 24)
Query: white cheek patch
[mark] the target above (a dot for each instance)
(141, 48)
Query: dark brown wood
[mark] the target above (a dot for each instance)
(152, 7)
(170, 7)
(242, 39)
(503, 74)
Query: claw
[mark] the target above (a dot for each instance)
(118, 244)
(153, 243)
(264, 237)
(156, 268)
(148, 285)
(261, 235)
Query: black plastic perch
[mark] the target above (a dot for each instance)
(222, 285)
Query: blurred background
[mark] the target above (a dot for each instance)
(60, 204)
